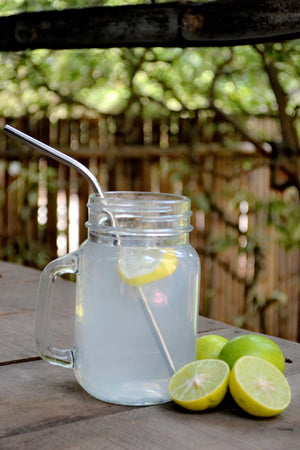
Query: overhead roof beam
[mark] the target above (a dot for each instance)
(176, 24)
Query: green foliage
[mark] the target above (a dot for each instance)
(157, 81)
(220, 243)
(224, 88)
(22, 246)
(281, 212)
(284, 215)
(27, 253)
(200, 201)
(17, 6)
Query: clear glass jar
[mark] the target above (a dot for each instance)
(137, 293)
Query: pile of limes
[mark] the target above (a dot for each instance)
(252, 366)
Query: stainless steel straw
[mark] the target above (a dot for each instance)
(83, 170)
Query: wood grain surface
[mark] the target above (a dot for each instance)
(43, 407)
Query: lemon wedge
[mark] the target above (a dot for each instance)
(138, 265)
(200, 385)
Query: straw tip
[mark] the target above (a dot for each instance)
(8, 128)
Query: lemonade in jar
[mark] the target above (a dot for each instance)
(137, 293)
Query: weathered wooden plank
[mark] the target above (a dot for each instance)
(42, 406)
(17, 337)
(17, 333)
(16, 284)
(18, 290)
(49, 395)
(218, 23)
(45, 408)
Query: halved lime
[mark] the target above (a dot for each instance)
(258, 387)
(200, 385)
(138, 266)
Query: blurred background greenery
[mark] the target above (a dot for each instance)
(241, 102)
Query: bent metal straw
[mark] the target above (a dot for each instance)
(83, 170)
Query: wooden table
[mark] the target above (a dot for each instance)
(43, 407)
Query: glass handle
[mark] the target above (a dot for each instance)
(55, 269)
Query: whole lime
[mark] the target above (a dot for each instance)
(255, 345)
(209, 346)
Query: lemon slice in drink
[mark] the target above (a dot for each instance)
(258, 387)
(200, 385)
(138, 265)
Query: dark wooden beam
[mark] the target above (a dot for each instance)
(217, 23)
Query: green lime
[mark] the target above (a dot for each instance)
(209, 346)
(255, 345)
(258, 387)
(200, 385)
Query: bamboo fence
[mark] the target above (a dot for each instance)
(125, 154)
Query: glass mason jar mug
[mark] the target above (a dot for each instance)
(137, 293)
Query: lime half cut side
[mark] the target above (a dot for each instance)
(138, 266)
(258, 387)
(200, 385)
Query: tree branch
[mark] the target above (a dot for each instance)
(285, 169)
(224, 264)
(288, 130)
(212, 95)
